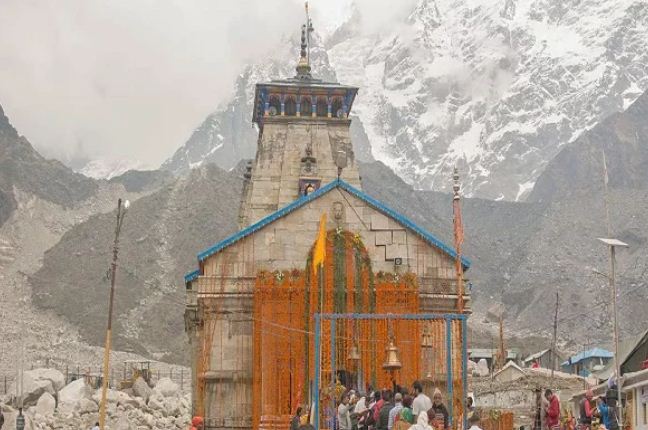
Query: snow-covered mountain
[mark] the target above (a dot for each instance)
(110, 168)
(494, 86)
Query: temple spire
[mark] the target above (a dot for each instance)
(303, 66)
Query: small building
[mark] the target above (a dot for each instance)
(586, 362)
(510, 372)
(488, 354)
(544, 359)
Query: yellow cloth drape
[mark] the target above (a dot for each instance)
(320, 246)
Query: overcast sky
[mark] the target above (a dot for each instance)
(131, 78)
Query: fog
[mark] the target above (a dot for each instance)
(88, 79)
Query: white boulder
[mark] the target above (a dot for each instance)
(45, 405)
(482, 367)
(72, 394)
(87, 406)
(167, 388)
(112, 396)
(156, 402)
(123, 423)
(54, 376)
(126, 400)
(141, 389)
(32, 389)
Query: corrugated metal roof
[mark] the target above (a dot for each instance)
(592, 353)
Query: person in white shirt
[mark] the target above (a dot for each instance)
(343, 414)
(473, 422)
(421, 403)
(360, 406)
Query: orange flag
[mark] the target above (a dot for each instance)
(320, 245)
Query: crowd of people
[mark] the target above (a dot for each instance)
(602, 409)
(400, 409)
(605, 410)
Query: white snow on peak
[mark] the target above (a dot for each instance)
(110, 168)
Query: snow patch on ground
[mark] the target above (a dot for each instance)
(524, 189)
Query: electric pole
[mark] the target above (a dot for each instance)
(613, 243)
(501, 362)
(113, 271)
(553, 341)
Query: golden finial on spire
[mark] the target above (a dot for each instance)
(303, 66)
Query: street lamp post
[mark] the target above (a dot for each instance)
(613, 244)
(121, 212)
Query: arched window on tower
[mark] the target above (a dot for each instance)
(290, 106)
(338, 108)
(306, 107)
(275, 105)
(322, 107)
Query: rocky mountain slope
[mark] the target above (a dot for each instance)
(41, 200)
(495, 87)
(578, 167)
(21, 167)
(161, 236)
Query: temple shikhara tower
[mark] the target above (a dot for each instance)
(313, 244)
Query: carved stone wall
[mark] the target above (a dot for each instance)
(276, 170)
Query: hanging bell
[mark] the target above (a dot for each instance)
(392, 362)
(354, 354)
(426, 342)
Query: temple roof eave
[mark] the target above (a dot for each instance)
(301, 86)
(311, 84)
(404, 221)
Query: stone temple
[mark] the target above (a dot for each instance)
(251, 303)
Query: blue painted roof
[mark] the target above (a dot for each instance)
(592, 353)
(323, 190)
(191, 276)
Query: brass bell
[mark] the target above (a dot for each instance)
(392, 362)
(426, 342)
(354, 354)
